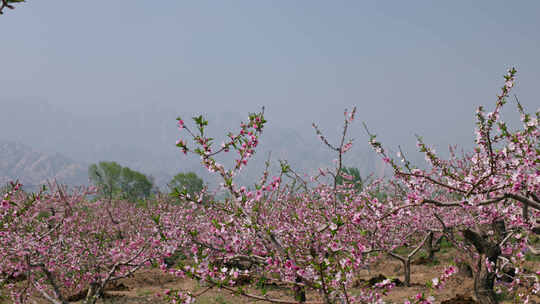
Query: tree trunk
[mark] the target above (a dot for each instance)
(484, 278)
(93, 293)
(406, 267)
(299, 291)
(407, 270)
(483, 283)
(433, 246)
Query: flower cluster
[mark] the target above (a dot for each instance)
(440, 281)
(314, 234)
(63, 245)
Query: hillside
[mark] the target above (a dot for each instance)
(143, 138)
(33, 168)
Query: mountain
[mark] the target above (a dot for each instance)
(143, 139)
(31, 168)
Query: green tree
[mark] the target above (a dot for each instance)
(134, 185)
(5, 189)
(186, 183)
(115, 181)
(356, 177)
(105, 176)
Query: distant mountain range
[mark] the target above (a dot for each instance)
(31, 168)
(55, 143)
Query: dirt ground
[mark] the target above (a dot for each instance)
(144, 285)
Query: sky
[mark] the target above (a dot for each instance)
(410, 67)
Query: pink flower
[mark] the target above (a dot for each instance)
(335, 246)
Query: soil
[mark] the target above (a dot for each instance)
(143, 287)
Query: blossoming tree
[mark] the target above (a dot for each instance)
(490, 196)
(314, 237)
(66, 247)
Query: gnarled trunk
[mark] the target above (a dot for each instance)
(484, 279)
(484, 275)
(94, 292)
(432, 246)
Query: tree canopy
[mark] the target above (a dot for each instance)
(113, 180)
(188, 182)
(352, 176)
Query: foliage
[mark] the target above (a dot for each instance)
(4, 189)
(350, 175)
(186, 183)
(114, 180)
(320, 237)
(317, 236)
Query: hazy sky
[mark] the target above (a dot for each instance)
(410, 66)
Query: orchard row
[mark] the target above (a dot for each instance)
(310, 235)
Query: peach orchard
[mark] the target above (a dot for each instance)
(311, 235)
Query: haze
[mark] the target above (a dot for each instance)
(105, 80)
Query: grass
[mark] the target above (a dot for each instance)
(445, 244)
(503, 296)
(143, 293)
(531, 257)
